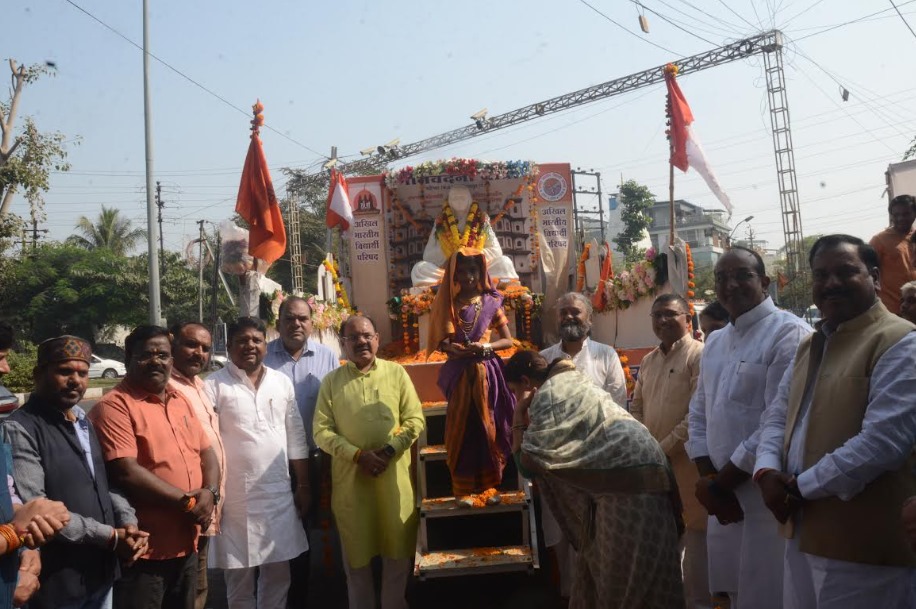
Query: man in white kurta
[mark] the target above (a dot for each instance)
(837, 491)
(740, 371)
(430, 270)
(262, 431)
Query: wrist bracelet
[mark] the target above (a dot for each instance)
(13, 541)
(114, 540)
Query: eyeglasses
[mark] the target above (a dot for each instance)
(359, 337)
(148, 356)
(666, 315)
(738, 276)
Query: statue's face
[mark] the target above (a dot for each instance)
(459, 199)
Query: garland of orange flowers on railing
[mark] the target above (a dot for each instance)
(691, 285)
(508, 205)
(340, 292)
(450, 240)
(580, 268)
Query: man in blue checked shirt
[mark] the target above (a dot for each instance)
(305, 362)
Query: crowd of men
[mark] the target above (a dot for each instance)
(792, 448)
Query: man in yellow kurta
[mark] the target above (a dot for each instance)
(368, 416)
(661, 400)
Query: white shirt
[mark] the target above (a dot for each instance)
(740, 372)
(887, 437)
(598, 362)
(262, 431)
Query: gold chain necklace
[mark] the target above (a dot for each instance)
(468, 326)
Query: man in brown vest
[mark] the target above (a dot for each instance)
(832, 459)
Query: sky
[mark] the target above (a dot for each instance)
(355, 74)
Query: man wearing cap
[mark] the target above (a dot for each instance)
(57, 455)
(157, 452)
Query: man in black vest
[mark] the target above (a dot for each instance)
(56, 454)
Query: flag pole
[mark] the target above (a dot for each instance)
(671, 202)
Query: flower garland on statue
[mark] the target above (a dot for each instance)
(339, 291)
(450, 240)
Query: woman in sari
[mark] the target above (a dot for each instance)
(480, 406)
(606, 480)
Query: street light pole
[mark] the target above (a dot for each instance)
(729, 239)
(152, 229)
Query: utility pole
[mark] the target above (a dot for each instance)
(200, 272)
(35, 231)
(160, 204)
(750, 236)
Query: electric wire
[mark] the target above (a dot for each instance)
(627, 30)
(902, 18)
(188, 78)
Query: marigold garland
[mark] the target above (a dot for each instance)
(627, 373)
(580, 268)
(690, 283)
(450, 240)
(340, 292)
(394, 351)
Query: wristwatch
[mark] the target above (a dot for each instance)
(215, 491)
(389, 451)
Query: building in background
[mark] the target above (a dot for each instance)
(706, 231)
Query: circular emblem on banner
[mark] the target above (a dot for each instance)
(552, 186)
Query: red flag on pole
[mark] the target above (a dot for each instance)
(685, 147)
(339, 212)
(257, 203)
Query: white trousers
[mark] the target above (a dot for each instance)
(815, 582)
(273, 585)
(694, 568)
(746, 558)
(361, 585)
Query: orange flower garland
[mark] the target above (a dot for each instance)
(580, 268)
(691, 285)
(627, 373)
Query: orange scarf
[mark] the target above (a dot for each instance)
(442, 314)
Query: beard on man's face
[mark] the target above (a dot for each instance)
(572, 331)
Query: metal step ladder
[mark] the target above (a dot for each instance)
(455, 540)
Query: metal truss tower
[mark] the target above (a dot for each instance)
(295, 243)
(769, 44)
(796, 264)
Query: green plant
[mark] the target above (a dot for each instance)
(22, 361)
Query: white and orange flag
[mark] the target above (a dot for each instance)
(339, 212)
(685, 147)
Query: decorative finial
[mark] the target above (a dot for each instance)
(670, 68)
(258, 120)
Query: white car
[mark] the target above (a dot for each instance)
(106, 368)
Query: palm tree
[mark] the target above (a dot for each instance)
(110, 231)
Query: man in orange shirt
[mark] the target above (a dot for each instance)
(159, 455)
(895, 251)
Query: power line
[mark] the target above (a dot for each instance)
(625, 29)
(186, 77)
(797, 15)
(839, 25)
(663, 18)
(902, 18)
(731, 30)
(736, 14)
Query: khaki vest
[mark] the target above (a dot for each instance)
(867, 529)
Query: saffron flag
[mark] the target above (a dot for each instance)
(686, 150)
(339, 212)
(257, 204)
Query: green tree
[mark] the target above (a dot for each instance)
(635, 202)
(27, 156)
(110, 231)
(796, 294)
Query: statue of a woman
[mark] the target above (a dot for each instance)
(451, 232)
